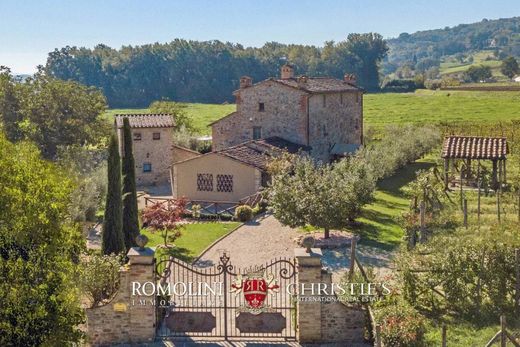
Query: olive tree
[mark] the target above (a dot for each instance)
(325, 196)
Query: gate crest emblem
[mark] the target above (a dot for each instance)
(256, 284)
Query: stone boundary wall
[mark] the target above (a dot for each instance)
(131, 319)
(324, 321)
(339, 321)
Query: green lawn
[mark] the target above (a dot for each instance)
(194, 238)
(379, 226)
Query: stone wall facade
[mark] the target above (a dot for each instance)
(318, 120)
(284, 114)
(334, 118)
(324, 321)
(149, 153)
(124, 320)
(339, 321)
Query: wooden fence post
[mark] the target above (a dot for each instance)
(422, 210)
(479, 183)
(498, 204)
(352, 257)
(503, 335)
(377, 338)
(461, 192)
(465, 211)
(517, 284)
(444, 342)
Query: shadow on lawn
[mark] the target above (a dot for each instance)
(181, 253)
(380, 222)
(393, 184)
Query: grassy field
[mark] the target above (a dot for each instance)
(486, 58)
(194, 238)
(421, 107)
(435, 107)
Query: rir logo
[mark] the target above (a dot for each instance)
(256, 285)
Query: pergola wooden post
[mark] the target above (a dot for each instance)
(468, 148)
(446, 173)
(494, 179)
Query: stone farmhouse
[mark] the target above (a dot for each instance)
(319, 115)
(152, 146)
(323, 113)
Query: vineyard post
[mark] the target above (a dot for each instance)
(499, 191)
(479, 182)
(422, 209)
(498, 205)
(461, 193)
(517, 284)
(465, 211)
(352, 257)
(446, 173)
(505, 171)
(503, 336)
(444, 342)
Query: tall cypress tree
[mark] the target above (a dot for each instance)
(130, 213)
(113, 240)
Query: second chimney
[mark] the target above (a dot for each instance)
(245, 81)
(350, 79)
(287, 72)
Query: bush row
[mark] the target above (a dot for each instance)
(399, 146)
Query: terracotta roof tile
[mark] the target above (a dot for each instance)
(473, 147)
(143, 120)
(258, 153)
(319, 84)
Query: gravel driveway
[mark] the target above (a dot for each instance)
(260, 241)
(256, 242)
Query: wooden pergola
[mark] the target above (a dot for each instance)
(470, 148)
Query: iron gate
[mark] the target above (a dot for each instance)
(209, 302)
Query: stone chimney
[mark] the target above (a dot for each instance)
(302, 81)
(287, 72)
(350, 79)
(245, 81)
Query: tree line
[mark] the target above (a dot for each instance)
(208, 71)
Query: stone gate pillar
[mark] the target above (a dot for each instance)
(126, 318)
(308, 310)
(142, 317)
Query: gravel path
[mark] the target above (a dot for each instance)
(260, 241)
(256, 242)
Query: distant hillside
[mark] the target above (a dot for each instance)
(427, 48)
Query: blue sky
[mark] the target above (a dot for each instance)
(29, 29)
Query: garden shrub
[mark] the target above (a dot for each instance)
(99, 277)
(444, 273)
(399, 146)
(244, 213)
(401, 325)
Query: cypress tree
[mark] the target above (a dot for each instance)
(113, 241)
(130, 212)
